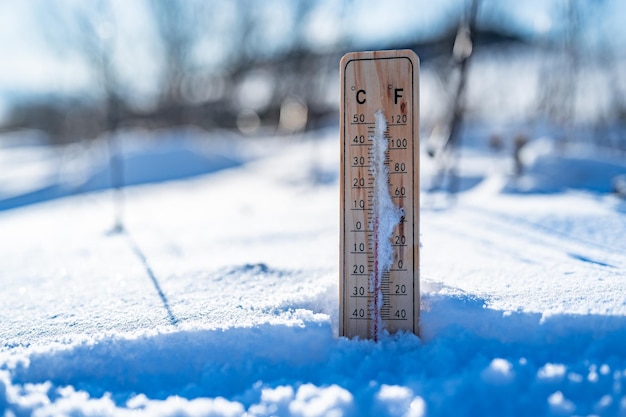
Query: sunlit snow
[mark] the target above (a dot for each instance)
(222, 296)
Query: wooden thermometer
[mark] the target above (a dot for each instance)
(379, 255)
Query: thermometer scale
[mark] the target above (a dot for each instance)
(379, 186)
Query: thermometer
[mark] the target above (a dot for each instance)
(379, 187)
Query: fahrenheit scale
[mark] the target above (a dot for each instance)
(379, 255)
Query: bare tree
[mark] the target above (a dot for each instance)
(180, 25)
(444, 143)
(559, 78)
(89, 31)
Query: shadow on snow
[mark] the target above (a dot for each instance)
(138, 168)
(461, 341)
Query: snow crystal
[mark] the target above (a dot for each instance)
(78, 403)
(499, 371)
(274, 401)
(559, 404)
(417, 408)
(605, 369)
(393, 392)
(312, 401)
(396, 400)
(551, 371)
(178, 406)
(277, 395)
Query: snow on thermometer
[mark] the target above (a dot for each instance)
(379, 256)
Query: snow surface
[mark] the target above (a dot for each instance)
(222, 297)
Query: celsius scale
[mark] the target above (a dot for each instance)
(379, 186)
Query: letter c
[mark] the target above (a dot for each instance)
(359, 99)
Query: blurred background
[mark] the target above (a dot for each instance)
(87, 78)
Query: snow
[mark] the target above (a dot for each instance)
(386, 217)
(221, 299)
